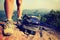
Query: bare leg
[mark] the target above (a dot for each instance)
(19, 8)
(9, 26)
(9, 7)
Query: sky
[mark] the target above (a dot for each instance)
(36, 4)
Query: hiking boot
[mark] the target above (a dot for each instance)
(9, 27)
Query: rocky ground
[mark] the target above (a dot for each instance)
(19, 35)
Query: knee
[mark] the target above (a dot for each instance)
(9, 1)
(19, 1)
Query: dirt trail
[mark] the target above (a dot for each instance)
(19, 35)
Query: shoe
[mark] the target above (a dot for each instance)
(9, 28)
(19, 22)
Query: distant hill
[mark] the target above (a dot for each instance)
(49, 18)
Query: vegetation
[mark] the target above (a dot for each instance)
(47, 18)
(52, 19)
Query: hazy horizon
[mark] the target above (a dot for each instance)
(36, 4)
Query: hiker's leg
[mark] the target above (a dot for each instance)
(9, 25)
(19, 8)
(9, 8)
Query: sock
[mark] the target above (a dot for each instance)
(19, 18)
(9, 19)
